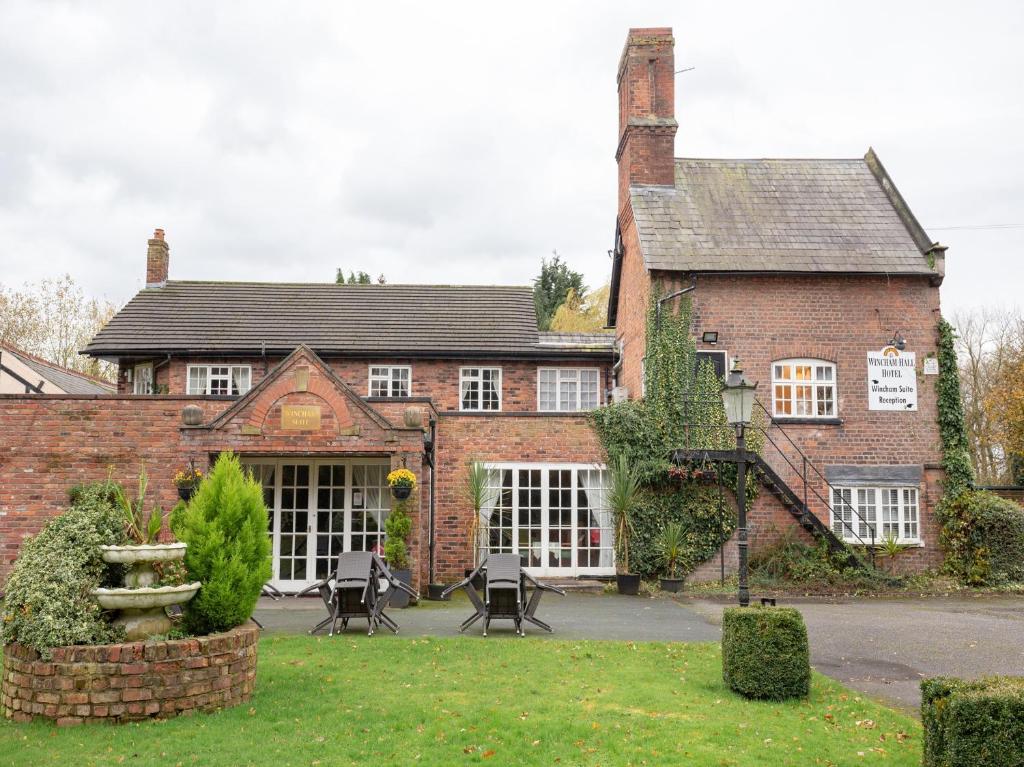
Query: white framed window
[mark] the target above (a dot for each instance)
(142, 378)
(803, 388)
(480, 389)
(892, 512)
(555, 516)
(568, 389)
(229, 380)
(390, 380)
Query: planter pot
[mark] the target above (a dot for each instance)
(628, 583)
(400, 598)
(672, 585)
(434, 591)
(400, 493)
(186, 493)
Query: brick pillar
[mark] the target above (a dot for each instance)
(157, 258)
(647, 123)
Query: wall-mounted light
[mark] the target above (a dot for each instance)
(898, 341)
(710, 337)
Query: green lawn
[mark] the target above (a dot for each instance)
(393, 701)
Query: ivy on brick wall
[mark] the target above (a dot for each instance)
(681, 407)
(956, 454)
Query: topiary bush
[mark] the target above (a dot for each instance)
(397, 527)
(983, 537)
(225, 527)
(765, 654)
(978, 723)
(47, 602)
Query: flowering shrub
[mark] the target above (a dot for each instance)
(47, 602)
(402, 478)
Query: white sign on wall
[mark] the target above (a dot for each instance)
(892, 380)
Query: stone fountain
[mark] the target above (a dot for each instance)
(140, 604)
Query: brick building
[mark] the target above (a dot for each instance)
(805, 269)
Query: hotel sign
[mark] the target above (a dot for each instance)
(892, 380)
(300, 417)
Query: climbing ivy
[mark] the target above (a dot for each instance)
(681, 408)
(956, 454)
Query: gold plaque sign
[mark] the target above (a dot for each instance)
(300, 417)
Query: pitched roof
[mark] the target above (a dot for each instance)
(392, 320)
(780, 215)
(68, 381)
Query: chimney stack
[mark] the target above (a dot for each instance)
(647, 121)
(156, 261)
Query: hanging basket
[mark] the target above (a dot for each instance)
(186, 493)
(401, 492)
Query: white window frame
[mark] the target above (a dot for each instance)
(496, 505)
(814, 383)
(136, 380)
(873, 508)
(207, 368)
(389, 378)
(558, 391)
(717, 353)
(465, 377)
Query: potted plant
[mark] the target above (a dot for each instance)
(141, 601)
(670, 546)
(402, 482)
(623, 495)
(480, 496)
(397, 527)
(187, 480)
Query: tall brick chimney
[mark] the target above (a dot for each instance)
(156, 260)
(647, 120)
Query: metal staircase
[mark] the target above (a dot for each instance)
(796, 501)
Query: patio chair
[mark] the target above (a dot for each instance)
(506, 586)
(359, 588)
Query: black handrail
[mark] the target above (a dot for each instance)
(807, 463)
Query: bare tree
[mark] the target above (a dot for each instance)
(989, 341)
(54, 319)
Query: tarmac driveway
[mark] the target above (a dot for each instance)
(885, 648)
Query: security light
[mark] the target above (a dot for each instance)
(710, 337)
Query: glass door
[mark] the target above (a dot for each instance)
(318, 509)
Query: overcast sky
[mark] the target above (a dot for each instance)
(456, 142)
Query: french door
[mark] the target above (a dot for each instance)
(554, 516)
(317, 509)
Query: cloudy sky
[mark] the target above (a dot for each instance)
(456, 142)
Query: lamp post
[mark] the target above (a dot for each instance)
(738, 398)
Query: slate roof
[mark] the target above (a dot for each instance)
(68, 381)
(370, 320)
(779, 215)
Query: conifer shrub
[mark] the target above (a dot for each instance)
(978, 723)
(397, 527)
(225, 527)
(765, 653)
(47, 602)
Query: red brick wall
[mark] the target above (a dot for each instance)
(634, 296)
(437, 379)
(128, 682)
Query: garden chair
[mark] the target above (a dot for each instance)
(359, 588)
(506, 586)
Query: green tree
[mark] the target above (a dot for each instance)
(225, 527)
(357, 278)
(552, 286)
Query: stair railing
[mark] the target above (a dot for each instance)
(804, 471)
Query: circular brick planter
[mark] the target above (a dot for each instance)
(132, 681)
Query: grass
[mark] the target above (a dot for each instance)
(382, 700)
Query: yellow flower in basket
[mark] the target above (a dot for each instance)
(402, 478)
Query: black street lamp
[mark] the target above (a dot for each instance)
(738, 398)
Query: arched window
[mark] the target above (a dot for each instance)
(803, 388)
